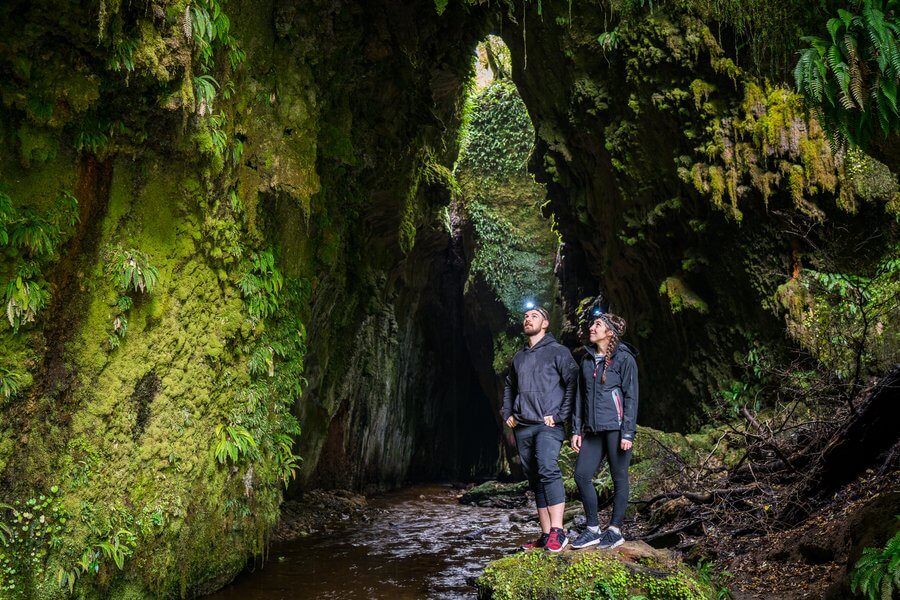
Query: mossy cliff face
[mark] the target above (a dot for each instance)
(250, 180)
(509, 246)
(687, 180)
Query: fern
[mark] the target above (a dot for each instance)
(11, 383)
(6, 216)
(232, 442)
(205, 87)
(877, 572)
(261, 285)
(609, 40)
(24, 300)
(286, 461)
(131, 271)
(860, 60)
(5, 530)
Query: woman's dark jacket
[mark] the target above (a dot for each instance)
(613, 404)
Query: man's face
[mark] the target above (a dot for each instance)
(599, 331)
(533, 322)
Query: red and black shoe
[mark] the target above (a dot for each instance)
(538, 543)
(557, 541)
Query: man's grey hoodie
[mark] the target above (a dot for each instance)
(541, 382)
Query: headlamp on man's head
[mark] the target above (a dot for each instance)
(532, 305)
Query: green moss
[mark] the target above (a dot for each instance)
(681, 297)
(583, 575)
(701, 91)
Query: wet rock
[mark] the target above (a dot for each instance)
(478, 534)
(497, 495)
(316, 509)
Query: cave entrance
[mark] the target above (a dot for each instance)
(511, 247)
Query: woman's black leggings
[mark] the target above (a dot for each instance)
(594, 448)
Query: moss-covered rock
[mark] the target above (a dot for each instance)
(631, 570)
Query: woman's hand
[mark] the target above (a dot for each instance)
(625, 445)
(511, 421)
(576, 443)
(548, 421)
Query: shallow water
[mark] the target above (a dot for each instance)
(414, 546)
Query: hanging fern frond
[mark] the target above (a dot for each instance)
(851, 77)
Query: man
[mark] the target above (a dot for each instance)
(537, 400)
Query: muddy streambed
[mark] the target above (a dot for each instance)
(419, 542)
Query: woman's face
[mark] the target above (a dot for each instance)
(599, 331)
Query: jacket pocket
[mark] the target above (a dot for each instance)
(528, 407)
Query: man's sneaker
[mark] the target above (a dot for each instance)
(587, 538)
(557, 541)
(538, 543)
(611, 539)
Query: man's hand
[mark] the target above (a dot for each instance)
(576, 443)
(548, 421)
(511, 421)
(625, 445)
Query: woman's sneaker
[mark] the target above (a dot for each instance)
(587, 538)
(538, 543)
(611, 539)
(557, 541)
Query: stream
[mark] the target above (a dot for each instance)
(420, 542)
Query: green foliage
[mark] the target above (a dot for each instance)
(584, 576)
(717, 580)
(511, 264)
(848, 321)
(122, 57)
(877, 573)
(111, 539)
(261, 285)
(233, 442)
(681, 297)
(205, 87)
(212, 26)
(211, 33)
(29, 530)
(32, 241)
(24, 298)
(131, 271)
(498, 137)
(609, 40)
(287, 463)
(851, 78)
(12, 381)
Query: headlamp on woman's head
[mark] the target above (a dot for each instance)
(597, 314)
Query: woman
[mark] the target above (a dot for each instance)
(604, 424)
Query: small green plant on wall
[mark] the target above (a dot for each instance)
(232, 442)
(261, 285)
(132, 274)
(29, 529)
(30, 242)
